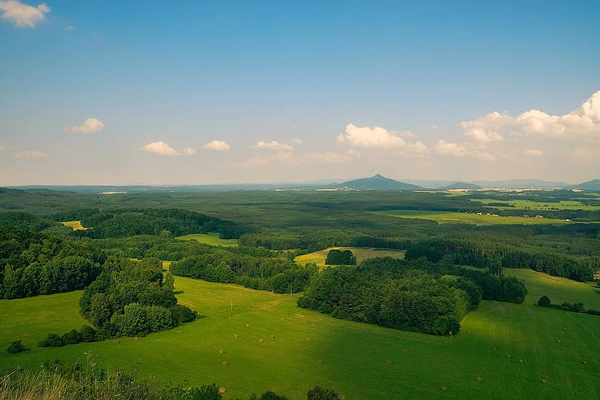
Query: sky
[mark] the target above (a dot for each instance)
(206, 92)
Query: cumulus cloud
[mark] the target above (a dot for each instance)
(23, 15)
(164, 149)
(217, 145)
(297, 141)
(31, 154)
(534, 152)
(582, 124)
(379, 138)
(461, 150)
(90, 125)
(273, 145)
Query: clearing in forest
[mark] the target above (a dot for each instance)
(212, 239)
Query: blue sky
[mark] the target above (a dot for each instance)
(222, 91)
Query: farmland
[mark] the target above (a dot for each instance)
(212, 239)
(351, 354)
(75, 225)
(318, 257)
(538, 205)
(443, 217)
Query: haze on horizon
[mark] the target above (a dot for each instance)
(208, 92)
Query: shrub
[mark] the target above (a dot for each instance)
(52, 340)
(16, 347)
(544, 301)
(319, 393)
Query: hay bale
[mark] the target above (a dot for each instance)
(508, 356)
(584, 362)
(222, 390)
(478, 379)
(320, 361)
(468, 331)
(558, 341)
(137, 338)
(261, 340)
(273, 336)
(308, 339)
(180, 332)
(520, 361)
(247, 325)
(405, 350)
(341, 397)
(388, 362)
(444, 389)
(225, 363)
(543, 381)
(236, 336)
(221, 351)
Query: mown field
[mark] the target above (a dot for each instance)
(210, 238)
(537, 205)
(445, 217)
(318, 257)
(354, 357)
(75, 225)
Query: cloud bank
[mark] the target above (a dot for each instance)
(31, 154)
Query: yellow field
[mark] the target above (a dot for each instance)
(318, 257)
(75, 225)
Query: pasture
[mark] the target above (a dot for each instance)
(301, 348)
(538, 205)
(212, 239)
(446, 217)
(318, 257)
(75, 225)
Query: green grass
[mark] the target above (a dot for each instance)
(75, 225)
(537, 205)
(557, 289)
(353, 355)
(210, 238)
(445, 217)
(31, 319)
(318, 257)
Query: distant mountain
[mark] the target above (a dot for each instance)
(522, 184)
(377, 182)
(462, 185)
(589, 185)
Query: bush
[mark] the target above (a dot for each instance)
(52, 340)
(16, 347)
(319, 393)
(544, 301)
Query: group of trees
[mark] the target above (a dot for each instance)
(32, 263)
(279, 275)
(544, 301)
(132, 298)
(166, 222)
(340, 257)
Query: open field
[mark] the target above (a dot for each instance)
(210, 238)
(557, 289)
(353, 355)
(445, 217)
(75, 225)
(31, 319)
(318, 257)
(538, 206)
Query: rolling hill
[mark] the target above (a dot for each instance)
(377, 182)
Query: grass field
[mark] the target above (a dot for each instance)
(557, 289)
(75, 225)
(318, 257)
(444, 217)
(540, 206)
(210, 238)
(353, 355)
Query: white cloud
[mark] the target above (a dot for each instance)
(164, 149)
(534, 152)
(461, 151)
(23, 15)
(273, 145)
(581, 124)
(31, 154)
(217, 145)
(370, 138)
(69, 28)
(90, 125)
(297, 141)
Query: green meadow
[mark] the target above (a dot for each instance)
(289, 350)
(212, 239)
(537, 205)
(318, 257)
(445, 217)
